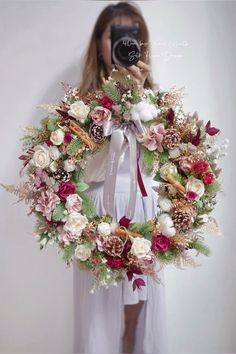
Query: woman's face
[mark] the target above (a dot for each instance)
(105, 42)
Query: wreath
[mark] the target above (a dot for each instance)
(179, 150)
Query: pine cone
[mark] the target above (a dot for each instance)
(171, 138)
(182, 218)
(113, 246)
(61, 175)
(96, 133)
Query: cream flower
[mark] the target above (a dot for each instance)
(69, 165)
(167, 169)
(195, 185)
(41, 157)
(82, 252)
(57, 136)
(140, 247)
(54, 152)
(75, 223)
(143, 111)
(79, 111)
(104, 229)
(73, 203)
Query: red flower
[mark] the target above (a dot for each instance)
(208, 178)
(67, 138)
(200, 166)
(160, 243)
(49, 142)
(106, 102)
(115, 262)
(170, 117)
(190, 195)
(195, 140)
(65, 189)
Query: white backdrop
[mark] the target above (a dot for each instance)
(193, 46)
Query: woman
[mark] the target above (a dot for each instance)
(118, 319)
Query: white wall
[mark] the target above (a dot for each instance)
(193, 46)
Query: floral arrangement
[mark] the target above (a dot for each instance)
(180, 151)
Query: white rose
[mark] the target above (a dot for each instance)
(143, 111)
(166, 225)
(73, 203)
(57, 136)
(165, 204)
(104, 229)
(167, 169)
(82, 252)
(41, 157)
(53, 166)
(195, 185)
(79, 111)
(75, 223)
(69, 165)
(54, 152)
(140, 247)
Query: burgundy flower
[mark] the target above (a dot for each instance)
(137, 283)
(106, 102)
(114, 262)
(124, 221)
(67, 138)
(65, 189)
(211, 130)
(200, 166)
(195, 140)
(170, 117)
(160, 243)
(208, 178)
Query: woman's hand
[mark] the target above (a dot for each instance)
(139, 71)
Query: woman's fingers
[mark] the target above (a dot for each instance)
(138, 71)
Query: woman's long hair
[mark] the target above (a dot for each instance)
(93, 67)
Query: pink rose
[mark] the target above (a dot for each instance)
(73, 203)
(185, 164)
(154, 138)
(65, 189)
(100, 114)
(160, 243)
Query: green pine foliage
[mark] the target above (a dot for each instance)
(93, 104)
(88, 208)
(144, 229)
(74, 146)
(212, 188)
(168, 256)
(149, 158)
(164, 157)
(200, 247)
(112, 91)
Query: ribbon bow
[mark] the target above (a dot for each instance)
(127, 130)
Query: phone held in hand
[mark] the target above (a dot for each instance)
(125, 47)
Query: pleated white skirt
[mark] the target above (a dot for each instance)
(99, 317)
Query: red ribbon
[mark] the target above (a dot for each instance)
(139, 177)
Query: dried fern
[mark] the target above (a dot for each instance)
(23, 191)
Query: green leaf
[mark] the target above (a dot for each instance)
(111, 91)
(149, 158)
(93, 104)
(58, 212)
(144, 229)
(164, 157)
(158, 178)
(81, 187)
(74, 146)
(68, 252)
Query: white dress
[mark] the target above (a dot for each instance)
(99, 317)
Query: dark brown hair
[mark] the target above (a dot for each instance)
(93, 67)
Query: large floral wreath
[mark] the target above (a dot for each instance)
(179, 150)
